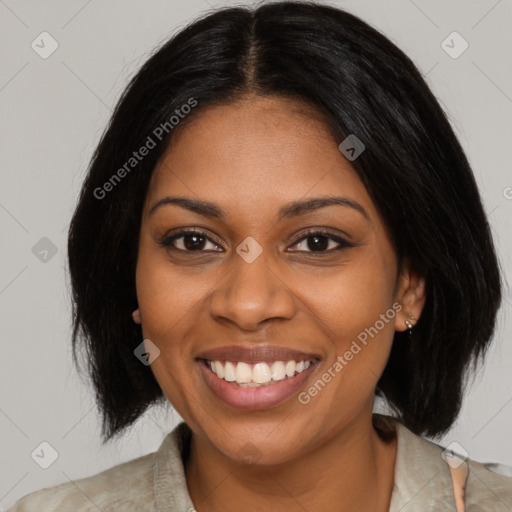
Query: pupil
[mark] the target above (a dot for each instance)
(198, 242)
(321, 243)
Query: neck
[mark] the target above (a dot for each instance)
(353, 470)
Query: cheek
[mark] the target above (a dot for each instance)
(354, 304)
(169, 296)
(169, 305)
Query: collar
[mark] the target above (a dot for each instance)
(422, 477)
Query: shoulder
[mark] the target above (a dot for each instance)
(127, 486)
(427, 476)
(489, 490)
(478, 484)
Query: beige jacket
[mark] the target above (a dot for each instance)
(156, 482)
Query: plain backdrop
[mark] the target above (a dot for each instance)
(53, 111)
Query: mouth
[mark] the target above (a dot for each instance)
(259, 374)
(256, 385)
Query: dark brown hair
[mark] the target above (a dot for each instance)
(413, 168)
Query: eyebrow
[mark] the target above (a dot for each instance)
(293, 209)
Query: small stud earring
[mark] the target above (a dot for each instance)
(407, 323)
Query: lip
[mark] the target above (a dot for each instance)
(259, 354)
(257, 398)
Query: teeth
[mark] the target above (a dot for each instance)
(290, 368)
(259, 374)
(219, 370)
(242, 371)
(277, 371)
(229, 372)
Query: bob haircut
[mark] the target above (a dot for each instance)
(413, 168)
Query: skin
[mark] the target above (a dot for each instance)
(250, 158)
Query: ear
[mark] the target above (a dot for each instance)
(136, 316)
(411, 295)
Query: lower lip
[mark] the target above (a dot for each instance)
(262, 397)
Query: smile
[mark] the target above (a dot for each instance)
(259, 374)
(256, 386)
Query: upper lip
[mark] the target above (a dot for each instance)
(259, 354)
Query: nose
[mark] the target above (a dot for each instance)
(251, 294)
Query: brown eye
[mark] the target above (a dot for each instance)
(317, 243)
(189, 241)
(320, 242)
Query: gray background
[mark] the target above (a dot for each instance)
(53, 112)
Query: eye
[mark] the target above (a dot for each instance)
(189, 241)
(320, 241)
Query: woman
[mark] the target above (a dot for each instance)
(278, 226)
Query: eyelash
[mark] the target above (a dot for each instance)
(167, 241)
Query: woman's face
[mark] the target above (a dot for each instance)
(256, 288)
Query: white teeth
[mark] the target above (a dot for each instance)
(243, 373)
(277, 371)
(290, 368)
(229, 372)
(219, 370)
(259, 374)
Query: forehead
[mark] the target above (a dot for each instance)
(256, 154)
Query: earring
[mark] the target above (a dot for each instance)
(408, 324)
